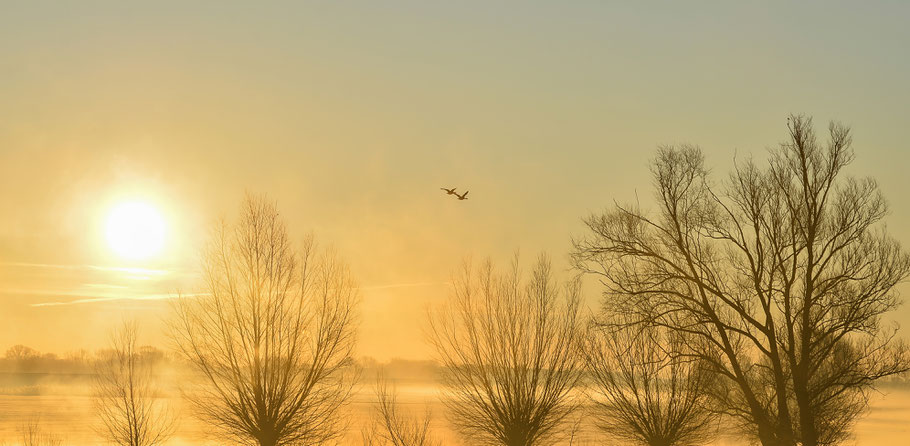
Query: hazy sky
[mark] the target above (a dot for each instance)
(352, 115)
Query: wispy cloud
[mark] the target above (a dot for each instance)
(121, 269)
(102, 299)
(90, 300)
(104, 286)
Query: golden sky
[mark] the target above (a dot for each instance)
(352, 116)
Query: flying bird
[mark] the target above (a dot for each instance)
(449, 191)
(463, 196)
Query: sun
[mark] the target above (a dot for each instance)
(135, 230)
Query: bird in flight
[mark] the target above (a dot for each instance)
(463, 196)
(449, 191)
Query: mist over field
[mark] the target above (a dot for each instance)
(58, 392)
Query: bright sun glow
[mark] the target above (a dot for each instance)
(135, 230)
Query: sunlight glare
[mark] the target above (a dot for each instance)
(135, 230)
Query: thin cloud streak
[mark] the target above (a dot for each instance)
(105, 286)
(101, 299)
(121, 269)
(112, 298)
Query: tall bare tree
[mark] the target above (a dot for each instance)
(272, 336)
(509, 350)
(127, 400)
(785, 271)
(645, 389)
(390, 426)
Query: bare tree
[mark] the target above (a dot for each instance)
(126, 398)
(392, 427)
(784, 272)
(21, 352)
(645, 390)
(32, 434)
(509, 350)
(272, 336)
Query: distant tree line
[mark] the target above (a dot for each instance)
(21, 358)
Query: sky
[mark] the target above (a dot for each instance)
(351, 115)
